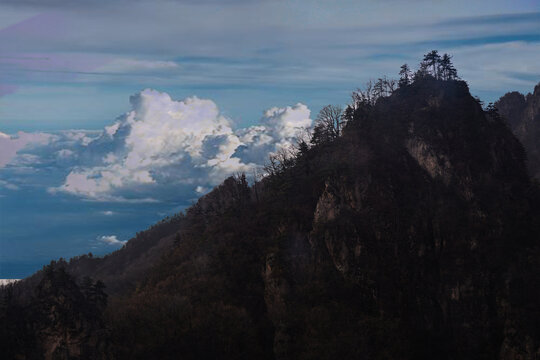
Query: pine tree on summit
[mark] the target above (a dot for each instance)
(432, 60)
(447, 71)
(404, 76)
(422, 71)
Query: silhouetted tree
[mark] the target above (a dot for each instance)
(479, 101)
(303, 148)
(320, 135)
(328, 125)
(405, 76)
(492, 111)
(378, 88)
(280, 161)
(330, 115)
(451, 70)
(384, 87)
(447, 71)
(422, 71)
(390, 85)
(432, 60)
(365, 96)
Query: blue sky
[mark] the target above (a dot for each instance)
(251, 74)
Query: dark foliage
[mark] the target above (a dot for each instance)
(63, 320)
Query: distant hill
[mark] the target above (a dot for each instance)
(412, 233)
(523, 115)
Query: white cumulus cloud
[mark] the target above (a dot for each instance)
(279, 128)
(161, 150)
(162, 147)
(111, 240)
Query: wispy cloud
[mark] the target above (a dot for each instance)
(7, 185)
(295, 45)
(136, 65)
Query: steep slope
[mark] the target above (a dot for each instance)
(523, 115)
(123, 269)
(414, 235)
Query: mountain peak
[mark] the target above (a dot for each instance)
(406, 228)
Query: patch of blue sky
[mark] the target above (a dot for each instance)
(37, 227)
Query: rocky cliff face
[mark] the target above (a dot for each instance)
(428, 220)
(523, 116)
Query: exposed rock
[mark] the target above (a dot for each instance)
(523, 116)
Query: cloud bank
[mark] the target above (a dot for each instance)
(10, 145)
(161, 150)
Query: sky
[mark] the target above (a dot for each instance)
(114, 114)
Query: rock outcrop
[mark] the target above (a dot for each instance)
(523, 116)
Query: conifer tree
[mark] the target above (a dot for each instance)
(432, 60)
(447, 70)
(422, 71)
(404, 75)
(452, 72)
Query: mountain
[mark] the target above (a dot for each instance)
(413, 234)
(523, 115)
